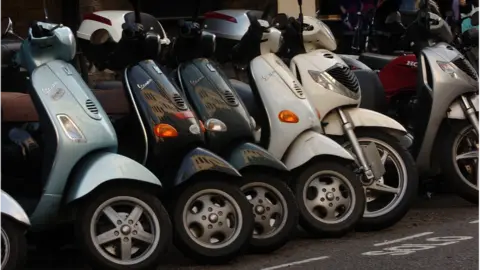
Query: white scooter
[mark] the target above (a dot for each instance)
(330, 198)
(334, 91)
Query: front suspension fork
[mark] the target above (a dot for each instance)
(357, 148)
(470, 112)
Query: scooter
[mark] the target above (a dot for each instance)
(443, 112)
(112, 200)
(213, 219)
(335, 93)
(230, 133)
(288, 126)
(15, 223)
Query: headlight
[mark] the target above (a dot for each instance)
(213, 124)
(328, 82)
(449, 68)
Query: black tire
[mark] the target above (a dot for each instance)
(320, 228)
(276, 188)
(201, 254)
(445, 144)
(15, 232)
(400, 210)
(87, 211)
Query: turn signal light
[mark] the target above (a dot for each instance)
(288, 116)
(165, 131)
(202, 127)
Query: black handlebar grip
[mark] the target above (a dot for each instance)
(37, 30)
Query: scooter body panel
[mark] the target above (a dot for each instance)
(279, 90)
(438, 94)
(101, 167)
(249, 154)
(213, 97)
(324, 92)
(396, 84)
(311, 144)
(11, 208)
(199, 160)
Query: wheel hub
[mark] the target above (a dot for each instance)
(125, 229)
(213, 218)
(259, 209)
(330, 196)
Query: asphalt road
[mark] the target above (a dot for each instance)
(436, 234)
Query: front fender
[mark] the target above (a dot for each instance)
(100, 168)
(199, 160)
(311, 144)
(11, 208)
(249, 154)
(360, 117)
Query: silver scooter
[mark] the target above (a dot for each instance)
(446, 114)
(15, 222)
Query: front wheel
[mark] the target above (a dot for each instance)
(390, 197)
(213, 222)
(14, 245)
(458, 146)
(330, 199)
(123, 228)
(274, 209)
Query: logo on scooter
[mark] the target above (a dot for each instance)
(47, 90)
(142, 86)
(195, 82)
(268, 76)
(412, 64)
(211, 68)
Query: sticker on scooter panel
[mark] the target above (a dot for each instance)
(67, 71)
(58, 94)
(156, 68)
(210, 67)
(194, 129)
(203, 162)
(374, 160)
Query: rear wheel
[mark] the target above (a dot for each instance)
(14, 245)
(390, 197)
(123, 228)
(459, 158)
(330, 199)
(213, 222)
(274, 209)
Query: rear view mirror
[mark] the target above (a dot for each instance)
(7, 25)
(475, 18)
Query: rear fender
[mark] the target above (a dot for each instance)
(249, 154)
(99, 168)
(201, 160)
(11, 208)
(311, 144)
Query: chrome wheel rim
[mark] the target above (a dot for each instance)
(212, 218)
(125, 230)
(387, 192)
(329, 197)
(465, 156)
(269, 207)
(5, 248)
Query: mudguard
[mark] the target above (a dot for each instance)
(249, 154)
(100, 168)
(11, 208)
(199, 160)
(363, 118)
(311, 144)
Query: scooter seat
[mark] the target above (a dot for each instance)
(376, 61)
(18, 107)
(9, 48)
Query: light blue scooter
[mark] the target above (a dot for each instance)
(14, 224)
(112, 200)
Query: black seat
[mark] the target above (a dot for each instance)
(376, 61)
(9, 48)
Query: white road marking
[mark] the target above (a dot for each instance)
(473, 222)
(295, 263)
(402, 239)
